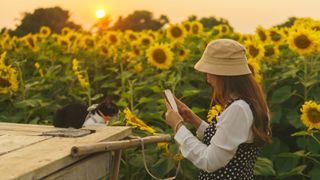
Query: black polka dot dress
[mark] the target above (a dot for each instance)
(240, 167)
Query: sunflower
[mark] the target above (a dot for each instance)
(187, 25)
(164, 146)
(213, 112)
(130, 35)
(82, 80)
(113, 38)
(255, 49)
(138, 68)
(310, 116)
(72, 37)
(64, 42)
(89, 42)
(302, 41)
(216, 31)
(31, 42)
(40, 70)
(8, 77)
(107, 51)
(135, 122)
(271, 50)
(224, 29)
(277, 36)
(145, 40)
(65, 31)
(176, 32)
(45, 31)
(183, 54)
(136, 49)
(196, 28)
(160, 56)
(262, 34)
(255, 68)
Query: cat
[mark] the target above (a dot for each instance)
(77, 115)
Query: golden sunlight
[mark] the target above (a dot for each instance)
(100, 13)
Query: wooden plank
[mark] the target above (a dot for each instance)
(46, 157)
(92, 167)
(26, 133)
(9, 143)
(26, 127)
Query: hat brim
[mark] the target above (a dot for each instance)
(236, 69)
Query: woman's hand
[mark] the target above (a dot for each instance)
(187, 114)
(173, 118)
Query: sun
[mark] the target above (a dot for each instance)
(100, 13)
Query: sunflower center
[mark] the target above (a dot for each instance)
(72, 38)
(176, 32)
(113, 39)
(195, 29)
(302, 42)
(182, 52)
(145, 41)
(316, 28)
(275, 36)
(89, 43)
(4, 83)
(159, 56)
(314, 116)
(269, 52)
(262, 35)
(132, 37)
(105, 50)
(187, 26)
(224, 29)
(31, 42)
(253, 51)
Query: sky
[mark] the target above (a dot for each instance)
(243, 15)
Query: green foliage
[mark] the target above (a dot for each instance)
(140, 20)
(56, 18)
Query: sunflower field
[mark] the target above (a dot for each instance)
(45, 71)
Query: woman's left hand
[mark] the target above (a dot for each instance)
(173, 118)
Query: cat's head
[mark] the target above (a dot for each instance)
(108, 107)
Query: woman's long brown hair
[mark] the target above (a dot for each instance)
(246, 88)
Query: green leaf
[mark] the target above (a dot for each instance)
(295, 171)
(264, 167)
(293, 117)
(301, 133)
(191, 92)
(162, 167)
(282, 94)
(97, 96)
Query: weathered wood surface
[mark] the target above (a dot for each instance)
(88, 168)
(41, 156)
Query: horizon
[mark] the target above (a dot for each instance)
(244, 16)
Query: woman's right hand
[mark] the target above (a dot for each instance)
(187, 114)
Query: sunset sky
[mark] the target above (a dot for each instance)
(243, 15)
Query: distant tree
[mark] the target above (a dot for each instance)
(288, 23)
(209, 22)
(140, 20)
(56, 18)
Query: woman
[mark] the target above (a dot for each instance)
(233, 141)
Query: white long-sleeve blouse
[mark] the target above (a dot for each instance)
(232, 129)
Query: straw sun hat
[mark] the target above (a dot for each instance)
(224, 57)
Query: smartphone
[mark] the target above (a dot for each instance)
(170, 99)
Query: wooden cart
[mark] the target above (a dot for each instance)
(28, 152)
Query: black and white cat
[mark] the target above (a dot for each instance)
(77, 115)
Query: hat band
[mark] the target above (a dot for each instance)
(222, 61)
